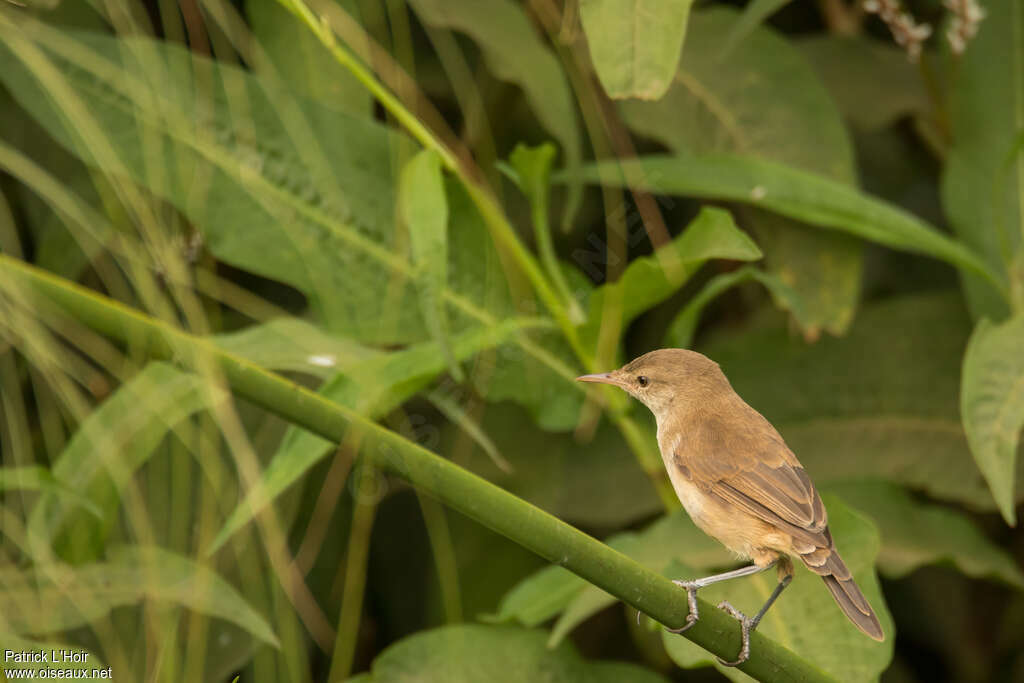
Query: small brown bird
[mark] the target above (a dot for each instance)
(738, 481)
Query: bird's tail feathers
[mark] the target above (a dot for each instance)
(827, 563)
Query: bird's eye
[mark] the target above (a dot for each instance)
(642, 380)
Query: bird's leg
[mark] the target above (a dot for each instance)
(747, 624)
(693, 586)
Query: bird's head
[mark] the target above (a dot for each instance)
(665, 378)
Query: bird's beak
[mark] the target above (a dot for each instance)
(602, 378)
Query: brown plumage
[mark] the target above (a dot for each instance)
(735, 475)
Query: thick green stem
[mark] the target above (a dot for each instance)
(475, 497)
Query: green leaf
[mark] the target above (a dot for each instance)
(473, 653)
(880, 403)
(110, 445)
(301, 61)
(60, 597)
(295, 345)
(515, 53)
(806, 617)
(873, 83)
(762, 99)
(424, 209)
(681, 329)
(794, 193)
(596, 484)
(983, 179)
(649, 280)
(373, 386)
(635, 44)
(992, 404)
(915, 533)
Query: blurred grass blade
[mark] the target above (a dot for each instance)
(515, 53)
(60, 597)
(116, 439)
(372, 387)
(38, 478)
(424, 210)
(458, 416)
(992, 404)
(465, 492)
(681, 329)
(635, 44)
(785, 190)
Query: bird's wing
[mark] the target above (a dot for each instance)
(747, 464)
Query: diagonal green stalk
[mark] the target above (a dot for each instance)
(461, 490)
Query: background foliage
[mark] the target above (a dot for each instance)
(437, 213)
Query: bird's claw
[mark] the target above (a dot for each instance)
(747, 625)
(691, 602)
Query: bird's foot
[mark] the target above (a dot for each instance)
(747, 626)
(691, 602)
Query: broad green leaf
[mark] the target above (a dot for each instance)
(115, 440)
(806, 618)
(471, 653)
(872, 82)
(762, 99)
(515, 53)
(782, 189)
(681, 329)
(59, 597)
(983, 179)
(286, 189)
(880, 403)
(915, 533)
(649, 280)
(635, 44)
(302, 62)
(596, 484)
(295, 345)
(373, 386)
(423, 207)
(992, 404)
